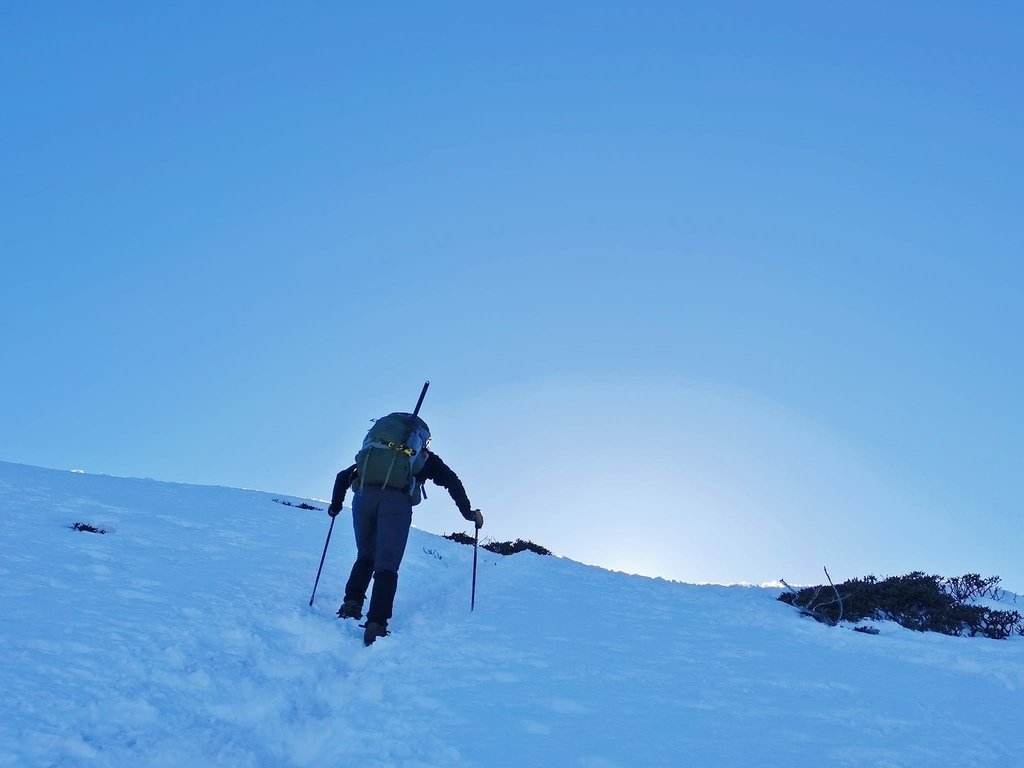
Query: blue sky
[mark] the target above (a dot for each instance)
(715, 293)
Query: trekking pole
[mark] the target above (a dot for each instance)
(476, 541)
(324, 555)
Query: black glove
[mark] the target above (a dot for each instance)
(333, 510)
(476, 516)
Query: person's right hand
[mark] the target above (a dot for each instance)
(333, 511)
(479, 519)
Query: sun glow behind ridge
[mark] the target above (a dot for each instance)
(669, 478)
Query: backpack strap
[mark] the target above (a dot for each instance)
(362, 473)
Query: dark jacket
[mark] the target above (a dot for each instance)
(433, 469)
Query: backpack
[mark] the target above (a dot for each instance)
(392, 453)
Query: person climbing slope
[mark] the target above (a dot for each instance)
(387, 480)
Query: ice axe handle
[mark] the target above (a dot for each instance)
(423, 393)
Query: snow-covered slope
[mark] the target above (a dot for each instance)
(182, 637)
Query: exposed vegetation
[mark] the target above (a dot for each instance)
(916, 601)
(303, 505)
(86, 528)
(500, 547)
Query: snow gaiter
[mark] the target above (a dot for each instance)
(382, 601)
(359, 580)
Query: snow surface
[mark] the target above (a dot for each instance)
(183, 637)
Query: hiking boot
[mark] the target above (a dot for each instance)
(374, 629)
(351, 609)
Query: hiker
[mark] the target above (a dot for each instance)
(387, 481)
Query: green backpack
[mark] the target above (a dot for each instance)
(392, 453)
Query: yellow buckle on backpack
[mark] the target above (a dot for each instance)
(398, 447)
